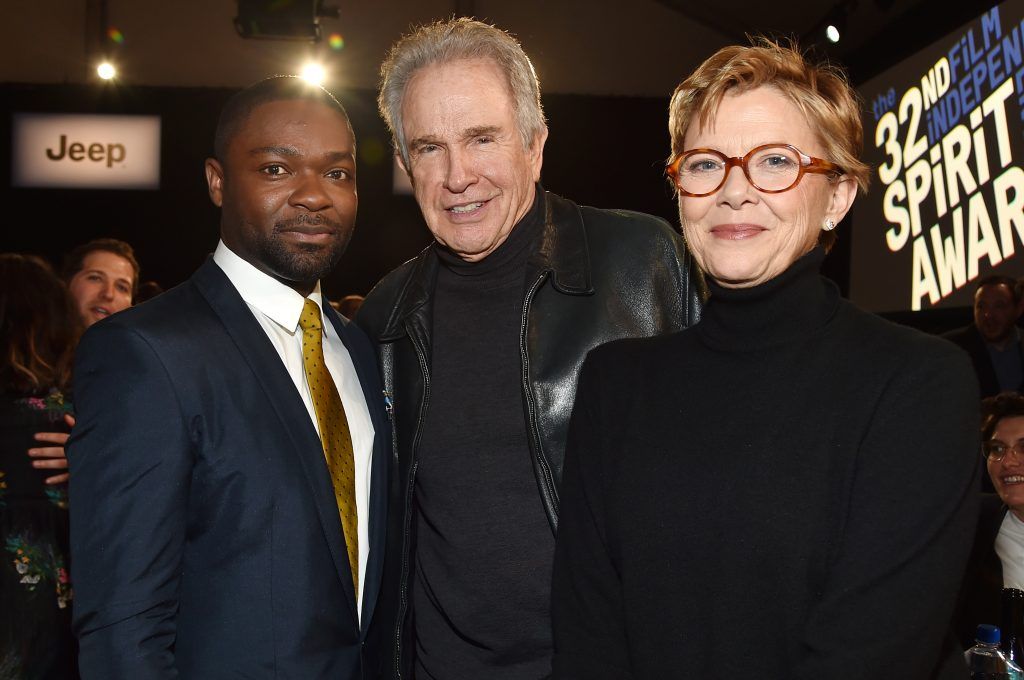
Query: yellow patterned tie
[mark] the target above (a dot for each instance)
(334, 432)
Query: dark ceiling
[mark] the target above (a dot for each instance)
(879, 33)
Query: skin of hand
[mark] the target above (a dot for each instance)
(52, 457)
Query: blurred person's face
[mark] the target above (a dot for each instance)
(472, 177)
(287, 190)
(102, 286)
(1008, 474)
(995, 312)
(741, 236)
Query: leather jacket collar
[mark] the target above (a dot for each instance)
(562, 251)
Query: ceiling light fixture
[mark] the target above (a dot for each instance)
(313, 73)
(106, 70)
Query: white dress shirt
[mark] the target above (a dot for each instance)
(1010, 548)
(277, 308)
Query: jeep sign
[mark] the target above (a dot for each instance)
(85, 151)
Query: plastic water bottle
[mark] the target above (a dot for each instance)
(986, 661)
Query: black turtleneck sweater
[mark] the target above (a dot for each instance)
(484, 548)
(785, 491)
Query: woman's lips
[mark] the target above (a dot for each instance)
(736, 232)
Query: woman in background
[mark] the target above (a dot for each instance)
(786, 490)
(39, 328)
(997, 559)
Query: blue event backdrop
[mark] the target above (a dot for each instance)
(944, 135)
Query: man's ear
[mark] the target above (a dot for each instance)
(536, 152)
(215, 180)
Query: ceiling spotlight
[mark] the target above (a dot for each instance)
(314, 73)
(106, 70)
(835, 20)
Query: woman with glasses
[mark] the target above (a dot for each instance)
(786, 490)
(997, 559)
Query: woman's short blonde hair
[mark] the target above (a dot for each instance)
(820, 90)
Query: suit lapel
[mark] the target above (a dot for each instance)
(273, 378)
(364, 360)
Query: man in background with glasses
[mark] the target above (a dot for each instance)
(481, 339)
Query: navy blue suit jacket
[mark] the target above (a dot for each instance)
(206, 541)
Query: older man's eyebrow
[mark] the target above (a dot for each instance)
(481, 131)
(422, 141)
(467, 134)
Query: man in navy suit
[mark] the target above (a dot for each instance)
(216, 529)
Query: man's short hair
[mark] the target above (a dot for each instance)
(1000, 280)
(455, 40)
(74, 261)
(276, 88)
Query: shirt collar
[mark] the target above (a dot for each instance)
(275, 300)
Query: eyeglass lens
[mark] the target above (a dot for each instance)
(772, 168)
(998, 450)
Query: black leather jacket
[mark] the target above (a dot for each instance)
(597, 275)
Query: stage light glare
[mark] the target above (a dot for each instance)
(314, 73)
(336, 41)
(106, 70)
(832, 33)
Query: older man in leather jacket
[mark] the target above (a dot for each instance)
(481, 338)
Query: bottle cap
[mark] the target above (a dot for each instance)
(988, 634)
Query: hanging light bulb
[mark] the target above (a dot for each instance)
(106, 70)
(314, 73)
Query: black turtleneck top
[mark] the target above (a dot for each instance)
(785, 491)
(484, 549)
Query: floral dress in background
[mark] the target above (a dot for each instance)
(35, 592)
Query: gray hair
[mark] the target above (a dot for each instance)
(453, 40)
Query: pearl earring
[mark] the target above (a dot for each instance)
(829, 225)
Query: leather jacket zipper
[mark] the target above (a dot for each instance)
(403, 595)
(551, 498)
